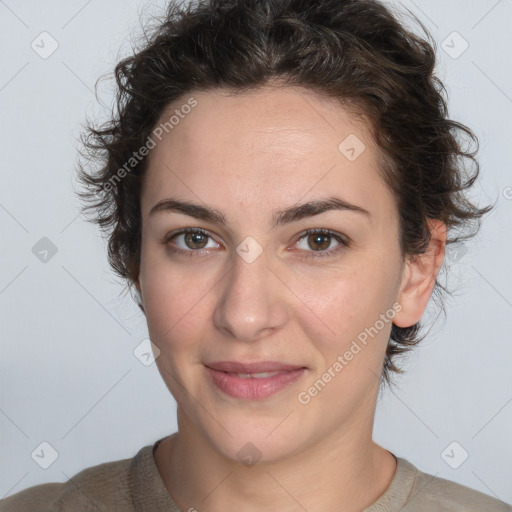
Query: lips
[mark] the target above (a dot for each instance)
(252, 368)
(251, 381)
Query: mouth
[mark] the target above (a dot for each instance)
(255, 380)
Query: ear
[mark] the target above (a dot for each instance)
(419, 277)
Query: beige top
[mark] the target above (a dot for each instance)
(135, 485)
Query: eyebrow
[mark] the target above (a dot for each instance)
(291, 214)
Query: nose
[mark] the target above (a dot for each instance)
(252, 303)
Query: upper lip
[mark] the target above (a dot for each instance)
(255, 367)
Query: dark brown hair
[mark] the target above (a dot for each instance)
(356, 51)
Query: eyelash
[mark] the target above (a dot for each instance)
(313, 254)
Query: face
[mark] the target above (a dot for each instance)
(258, 287)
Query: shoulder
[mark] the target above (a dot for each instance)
(430, 492)
(34, 498)
(104, 485)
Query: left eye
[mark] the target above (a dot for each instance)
(320, 240)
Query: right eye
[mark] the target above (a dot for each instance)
(193, 240)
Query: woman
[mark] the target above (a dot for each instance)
(279, 185)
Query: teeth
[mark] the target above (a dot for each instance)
(256, 375)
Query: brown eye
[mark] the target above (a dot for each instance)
(195, 240)
(319, 241)
(189, 241)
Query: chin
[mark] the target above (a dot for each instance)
(256, 440)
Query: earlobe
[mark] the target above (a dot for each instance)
(419, 277)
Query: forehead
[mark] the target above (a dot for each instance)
(263, 147)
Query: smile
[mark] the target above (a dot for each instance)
(255, 385)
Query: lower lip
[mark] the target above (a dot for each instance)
(253, 389)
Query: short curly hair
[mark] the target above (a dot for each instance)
(356, 51)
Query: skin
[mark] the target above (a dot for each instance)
(257, 153)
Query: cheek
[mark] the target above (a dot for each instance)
(175, 303)
(174, 300)
(346, 305)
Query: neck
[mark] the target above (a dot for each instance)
(338, 472)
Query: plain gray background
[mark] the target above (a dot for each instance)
(68, 373)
